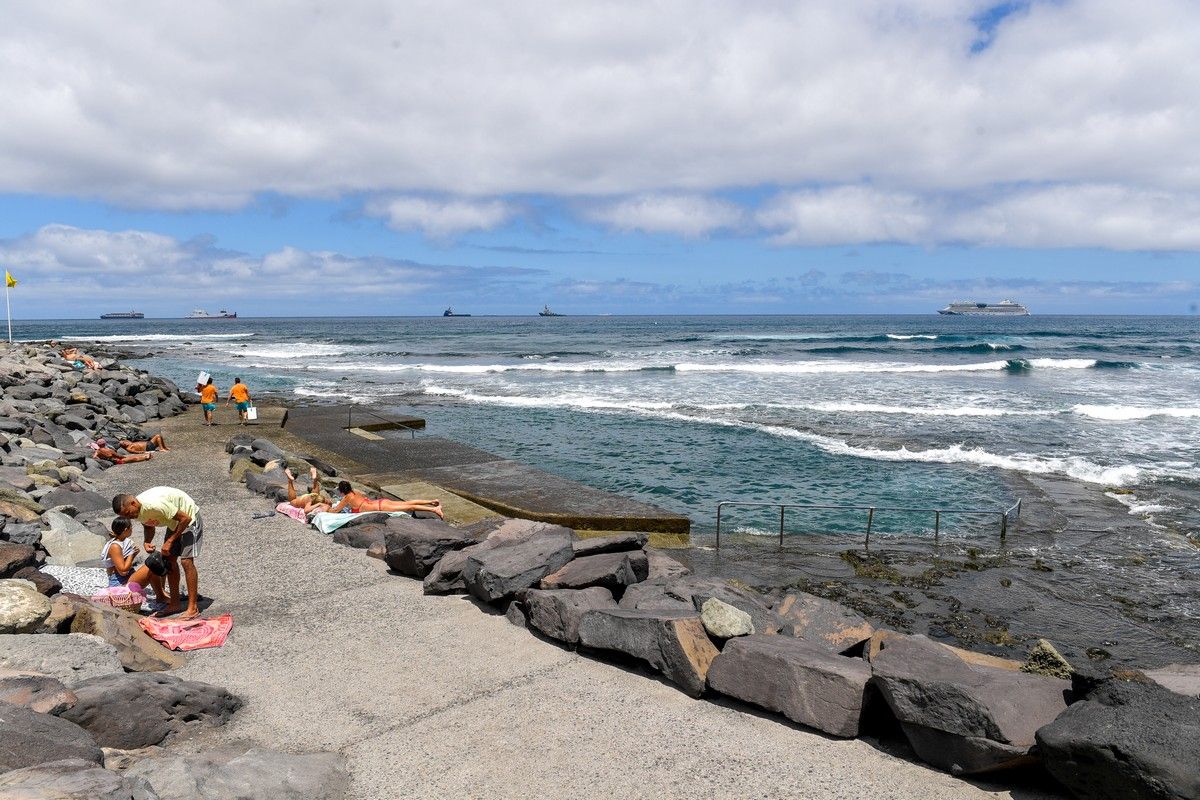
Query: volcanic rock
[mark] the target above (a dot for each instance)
(673, 642)
(822, 621)
(557, 612)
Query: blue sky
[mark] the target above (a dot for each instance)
(366, 158)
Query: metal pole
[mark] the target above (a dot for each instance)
(870, 519)
(8, 307)
(719, 505)
(781, 509)
(1003, 525)
(937, 524)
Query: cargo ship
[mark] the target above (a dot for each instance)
(200, 313)
(546, 312)
(967, 308)
(449, 312)
(123, 315)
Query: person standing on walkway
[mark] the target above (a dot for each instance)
(240, 394)
(208, 400)
(172, 509)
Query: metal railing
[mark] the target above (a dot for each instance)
(388, 423)
(1012, 514)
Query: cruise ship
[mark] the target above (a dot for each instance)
(200, 313)
(1005, 308)
(123, 315)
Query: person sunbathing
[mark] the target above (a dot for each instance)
(108, 454)
(78, 359)
(358, 503)
(155, 442)
(311, 502)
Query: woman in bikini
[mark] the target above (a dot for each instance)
(313, 501)
(358, 503)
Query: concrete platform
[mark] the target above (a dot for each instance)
(486, 479)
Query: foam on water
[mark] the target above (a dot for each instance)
(1118, 413)
(157, 337)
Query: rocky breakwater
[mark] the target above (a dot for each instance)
(88, 708)
(811, 660)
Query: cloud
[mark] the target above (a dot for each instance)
(925, 99)
(60, 263)
(441, 219)
(685, 215)
(845, 215)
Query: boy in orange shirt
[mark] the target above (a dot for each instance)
(208, 400)
(240, 394)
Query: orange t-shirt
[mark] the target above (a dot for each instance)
(240, 393)
(208, 394)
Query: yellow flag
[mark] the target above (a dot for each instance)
(9, 280)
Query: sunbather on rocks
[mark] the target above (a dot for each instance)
(78, 359)
(155, 442)
(311, 502)
(358, 503)
(105, 453)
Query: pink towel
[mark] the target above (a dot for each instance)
(293, 512)
(189, 634)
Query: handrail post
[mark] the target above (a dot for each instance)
(870, 519)
(719, 507)
(937, 524)
(1003, 525)
(781, 510)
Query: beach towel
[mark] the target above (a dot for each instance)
(189, 634)
(293, 512)
(326, 522)
(119, 597)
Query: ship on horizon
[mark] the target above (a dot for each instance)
(449, 312)
(546, 312)
(123, 315)
(966, 308)
(200, 313)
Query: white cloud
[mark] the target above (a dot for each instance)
(60, 263)
(685, 215)
(595, 101)
(845, 214)
(441, 219)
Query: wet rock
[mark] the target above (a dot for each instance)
(614, 571)
(256, 773)
(673, 642)
(70, 658)
(723, 621)
(31, 738)
(822, 621)
(1126, 741)
(137, 651)
(68, 542)
(22, 606)
(662, 566)
(803, 680)
(963, 718)
(1179, 678)
(495, 575)
(617, 543)
(1044, 659)
(415, 546)
(41, 693)
(45, 584)
(73, 779)
(557, 612)
(132, 710)
(15, 557)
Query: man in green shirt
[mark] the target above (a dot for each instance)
(174, 510)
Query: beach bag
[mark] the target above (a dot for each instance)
(202, 378)
(119, 597)
(251, 413)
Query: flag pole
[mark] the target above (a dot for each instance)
(8, 307)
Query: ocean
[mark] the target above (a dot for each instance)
(908, 411)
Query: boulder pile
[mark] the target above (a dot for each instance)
(809, 659)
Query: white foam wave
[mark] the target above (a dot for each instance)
(1118, 413)
(483, 369)
(955, 411)
(158, 337)
(1062, 363)
(1135, 506)
(561, 401)
(291, 350)
(839, 367)
(903, 337)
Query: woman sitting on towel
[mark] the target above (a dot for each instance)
(313, 501)
(359, 503)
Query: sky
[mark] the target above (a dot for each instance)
(304, 159)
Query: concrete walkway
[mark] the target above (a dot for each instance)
(431, 697)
